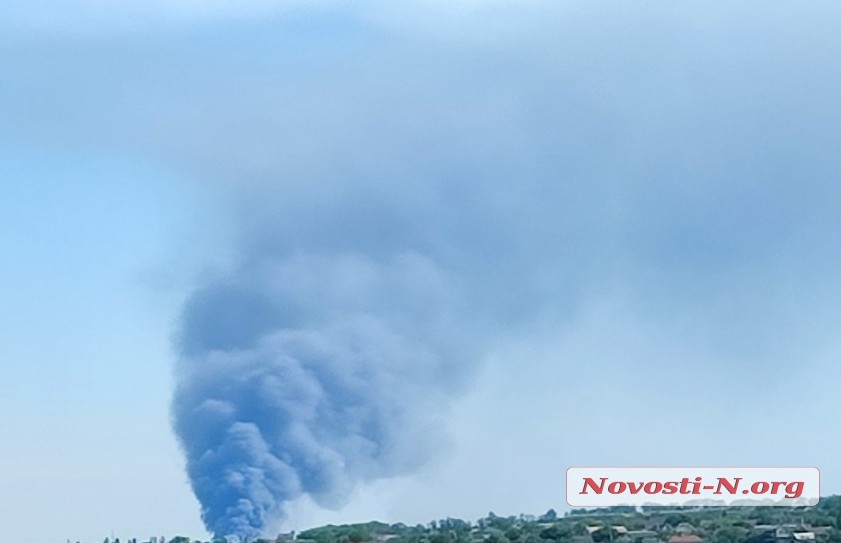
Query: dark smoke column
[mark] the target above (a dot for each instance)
(308, 375)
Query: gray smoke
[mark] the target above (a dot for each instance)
(307, 375)
(401, 205)
(360, 302)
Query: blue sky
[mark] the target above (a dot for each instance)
(619, 226)
(85, 342)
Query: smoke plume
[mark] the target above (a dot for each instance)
(302, 375)
(400, 205)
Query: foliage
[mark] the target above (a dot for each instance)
(715, 525)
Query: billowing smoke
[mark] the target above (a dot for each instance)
(308, 374)
(359, 303)
(401, 204)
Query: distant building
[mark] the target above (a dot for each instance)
(684, 528)
(655, 522)
(821, 532)
(791, 533)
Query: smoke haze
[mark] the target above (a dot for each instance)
(646, 197)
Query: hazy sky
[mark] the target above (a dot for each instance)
(633, 209)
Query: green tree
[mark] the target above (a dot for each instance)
(605, 534)
(730, 534)
(497, 538)
(635, 524)
(676, 518)
(556, 533)
(444, 537)
(357, 535)
(579, 528)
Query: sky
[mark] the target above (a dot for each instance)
(614, 226)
